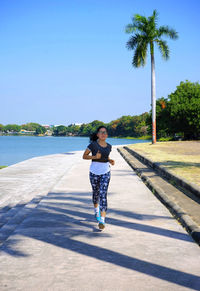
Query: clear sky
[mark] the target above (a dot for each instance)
(65, 61)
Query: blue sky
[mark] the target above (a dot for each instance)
(65, 62)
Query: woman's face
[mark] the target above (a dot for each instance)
(102, 134)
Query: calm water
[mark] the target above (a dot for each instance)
(14, 149)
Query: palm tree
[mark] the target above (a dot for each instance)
(147, 33)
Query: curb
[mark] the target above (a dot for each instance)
(193, 188)
(192, 227)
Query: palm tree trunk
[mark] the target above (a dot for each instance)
(153, 94)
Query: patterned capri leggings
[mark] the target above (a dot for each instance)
(100, 187)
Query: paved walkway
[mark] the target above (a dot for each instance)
(56, 245)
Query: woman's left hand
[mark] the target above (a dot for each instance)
(112, 162)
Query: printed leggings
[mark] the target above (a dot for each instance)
(100, 187)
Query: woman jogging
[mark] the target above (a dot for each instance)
(99, 171)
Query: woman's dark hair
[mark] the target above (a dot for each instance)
(93, 136)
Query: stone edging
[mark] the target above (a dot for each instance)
(193, 188)
(192, 228)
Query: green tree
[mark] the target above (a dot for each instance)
(60, 130)
(147, 33)
(184, 108)
(87, 128)
(134, 126)
(40, 130)
(31, 126)
(124, 126)
(139, 124)
(73, 129)
(112, 126)
(11, 128)
(1, 127)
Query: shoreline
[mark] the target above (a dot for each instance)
(65, 152)
(40, 135)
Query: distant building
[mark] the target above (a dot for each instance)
(79, 124)
(46, 125)
(48, 132)
(24, 131)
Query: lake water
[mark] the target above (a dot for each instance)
(14, 149)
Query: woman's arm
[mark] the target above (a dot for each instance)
(86, 155)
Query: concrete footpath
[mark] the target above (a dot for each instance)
(56, 245)
(184, 205)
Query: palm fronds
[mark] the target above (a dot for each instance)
(139, 58)
(164, 49)
(134, 41)
(146, 31)
(166, 31)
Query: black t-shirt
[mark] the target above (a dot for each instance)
(105, 151)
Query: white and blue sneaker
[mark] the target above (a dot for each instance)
(98, 215)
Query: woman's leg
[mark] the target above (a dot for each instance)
(103, 189)
(95, 182)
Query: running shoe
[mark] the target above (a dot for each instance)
(98, 216)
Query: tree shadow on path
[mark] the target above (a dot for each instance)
(59, 224)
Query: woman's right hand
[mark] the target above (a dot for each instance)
(97, 156)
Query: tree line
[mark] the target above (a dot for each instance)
(33, 127)
(134, 126)
(178, 115)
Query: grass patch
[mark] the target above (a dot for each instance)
(145, 137)
(1, 167)
(166, 139)
(180, 157)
